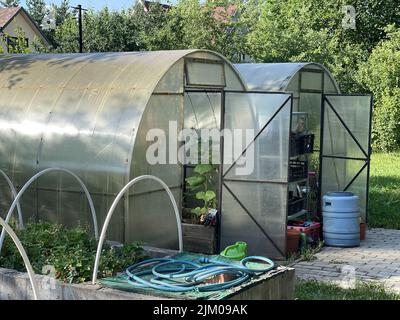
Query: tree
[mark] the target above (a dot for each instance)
(36, 9)
(10, 3)
(154, 31)
(213, 25)
(65, 36)
(63, 11)
(373, 16)
(307, 30)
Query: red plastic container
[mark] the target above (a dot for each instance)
(313, 230)
(293, 239)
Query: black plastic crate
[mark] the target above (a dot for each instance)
(295, 205)
(301, 144)
(298, 170)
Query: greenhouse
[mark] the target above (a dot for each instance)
(345, 127)
(339, 123)
(92, 114)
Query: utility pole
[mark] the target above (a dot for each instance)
(80, 28)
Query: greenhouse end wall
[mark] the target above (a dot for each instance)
(148, 218)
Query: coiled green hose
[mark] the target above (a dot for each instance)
(174, 275)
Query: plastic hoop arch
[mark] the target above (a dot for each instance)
(114, 205)
(31, 180)
(22, 252)
(14, 195)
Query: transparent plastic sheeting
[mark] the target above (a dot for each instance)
(202, 110)
(254, 206)
(338, 173)
(307, 82)
(84, 112)
(282, 77)
(354, 111)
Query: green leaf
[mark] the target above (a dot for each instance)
(195, 181)
(201, 195)
(209, 195)
(197, 211)
(203, 168)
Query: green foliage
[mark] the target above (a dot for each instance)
(188, 24)
(36, 10)
(308, 254)
(315, 290)
(202, 185)
(153, 29)
(39, 46)
(10, 3)
(381, 75)
(65, 36)
(195, 181)
(62, 11)
(208, 197)
(107, 31)
(373, 16)
(307, 30)
(20, 45)
(213, 25)
(70, 251)
(103, 31)
(203, 169)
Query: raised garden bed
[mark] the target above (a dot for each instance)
(68, 253)
(276, 284)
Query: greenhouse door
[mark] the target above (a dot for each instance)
(254, 182)
(345, 145)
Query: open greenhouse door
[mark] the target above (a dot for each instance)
(345, 146)
(254, 188)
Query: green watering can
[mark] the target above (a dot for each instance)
(235, 251)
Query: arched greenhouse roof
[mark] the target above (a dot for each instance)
(276, 76)
(89, 113)
(93, 101)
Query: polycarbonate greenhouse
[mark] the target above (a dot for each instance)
(341, 122)
(92, 114)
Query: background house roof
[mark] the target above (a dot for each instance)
(7, 14)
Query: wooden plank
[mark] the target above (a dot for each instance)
(198, 238)
(199, 246)
(198, 231)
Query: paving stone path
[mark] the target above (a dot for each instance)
(377, 259)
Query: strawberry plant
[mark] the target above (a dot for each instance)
(71, 251)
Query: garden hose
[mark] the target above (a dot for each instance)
(169, 274)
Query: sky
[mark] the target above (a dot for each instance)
(96, 4)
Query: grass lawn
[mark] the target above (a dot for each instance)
(315, 290)
(384, 191)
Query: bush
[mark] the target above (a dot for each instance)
(386, 122)
(70, 251)
(381, 75)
